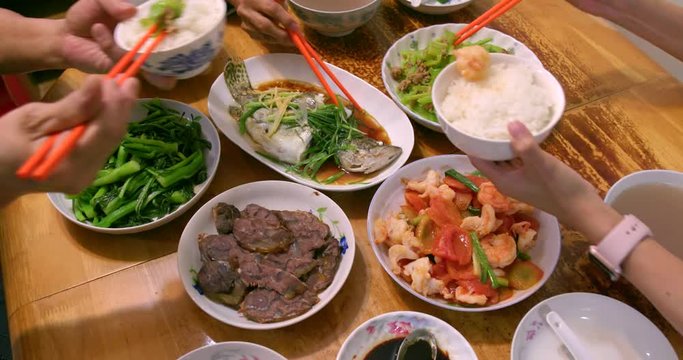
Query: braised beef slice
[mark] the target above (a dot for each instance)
(222, 247)
(255, 273)
(260, 230)
(221, 283)
(307, 229)
(266, 306)
(291, 262)
(321, 277)
(224, 216)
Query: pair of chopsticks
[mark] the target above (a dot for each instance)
(310, 55)
(41, 165)
(483, 20)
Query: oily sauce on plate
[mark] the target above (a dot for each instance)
(389, 349)
(366, 123)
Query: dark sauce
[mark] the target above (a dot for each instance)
(389, 349)
(366, 123)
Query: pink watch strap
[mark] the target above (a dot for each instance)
(619, 243)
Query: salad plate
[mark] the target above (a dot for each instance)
(289, 67)
(273, 195)
(390, 196)
(420, 38)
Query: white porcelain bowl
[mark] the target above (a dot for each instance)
(274, 195)
(232, 350)
(670, 177)
(433, 7)
(211, 157)
(495, 149)
(335, 23)
(604, 325)
(187, 59)
(398, 325)
(390, 196)
(419, 39)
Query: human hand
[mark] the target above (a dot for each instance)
(538, 178)
(265, 20)
(101, 103)
(88, 43)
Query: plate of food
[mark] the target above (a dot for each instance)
(380, 337)
(273, 107)
(161, 168)
(233, 350)
(266, 255)
(413, 62)
(444, 233)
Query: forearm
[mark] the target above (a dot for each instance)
(28, 44)
(657, 21)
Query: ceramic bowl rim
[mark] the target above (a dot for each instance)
(340, 12)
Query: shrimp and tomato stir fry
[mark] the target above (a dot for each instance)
(458, 238)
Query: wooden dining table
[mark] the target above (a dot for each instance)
(76, 294)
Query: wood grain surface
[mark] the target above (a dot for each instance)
(76, 294)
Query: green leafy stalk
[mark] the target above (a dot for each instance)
(486, 269)
(463, 179)
(163, 12)
(119, 173)
(185, 169)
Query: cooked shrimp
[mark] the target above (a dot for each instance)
(380, 231)
(422, 281)
(517, 206)
(468, 297)
(526, 236)
(484, 224)
(398, 253)
(488, 194)
(400, 232)
(432, 180)
(472, 62)
(443, 191)
(462, 200)
(501, 250)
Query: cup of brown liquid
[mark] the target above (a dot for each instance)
(656, 198)
(334, 17)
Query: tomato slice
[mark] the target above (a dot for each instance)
(518, 217)
(476, 287)
(453, 244)
(456, 185)
(439, 271)
(415, 201)
(477, 180)
(443, 212)
(504, 228)
(459, 272)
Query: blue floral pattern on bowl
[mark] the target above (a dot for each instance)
(181, 63)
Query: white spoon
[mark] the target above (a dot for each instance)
(564, 333)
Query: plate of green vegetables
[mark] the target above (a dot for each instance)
(160, 169)
(412, 63)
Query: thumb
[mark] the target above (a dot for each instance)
(79, 106)
(523, 143)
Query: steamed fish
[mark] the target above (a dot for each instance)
(299, 128)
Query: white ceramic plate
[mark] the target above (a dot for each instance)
(390, 196)
(270, 67)
(233, 350)
(274, 195)
(399, 324)
(599, 322)
(434, 7)
(420, 38)
(211, 157)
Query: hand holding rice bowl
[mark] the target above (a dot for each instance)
(188, 50)
(475, 114)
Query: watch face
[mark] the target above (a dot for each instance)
(612, 275)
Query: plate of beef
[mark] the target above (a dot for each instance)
(266, 255)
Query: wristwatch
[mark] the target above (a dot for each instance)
(618, 244)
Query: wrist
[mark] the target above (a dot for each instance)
(589, 215)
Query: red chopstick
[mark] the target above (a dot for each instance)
(300, 42)
(483, 20)
(40, 165)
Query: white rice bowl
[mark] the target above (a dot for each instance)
(484, 108)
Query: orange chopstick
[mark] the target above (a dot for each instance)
(483, 20)
(33, 167)
(299, 41)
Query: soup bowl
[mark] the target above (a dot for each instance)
(495, 149)
(181, 58)
(669, 177)
(334, 23)
(436, 7)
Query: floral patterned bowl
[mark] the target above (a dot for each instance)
(186, 60)
(335, 23)
(398, 325)
(434, 7)
(233, 350)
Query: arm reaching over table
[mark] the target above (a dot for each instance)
(657, 21)
(540, 179)
(265, 20)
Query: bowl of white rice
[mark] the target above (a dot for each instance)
(474, 114)
(188, 50)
